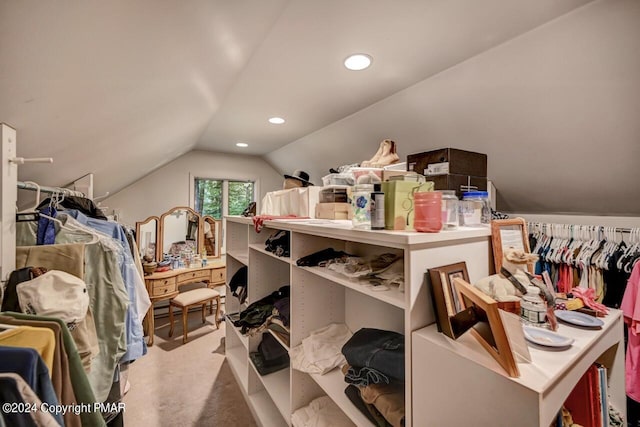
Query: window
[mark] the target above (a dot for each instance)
(218, 197)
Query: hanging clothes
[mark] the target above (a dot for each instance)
(109, 299)
(27, 363)
(631, 309)
(82, 389)
(61, 376)
(14, 389)
(87, 206)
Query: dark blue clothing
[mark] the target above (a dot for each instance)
(9, 393)
(46, 228)
(376, 356)
(27, 363)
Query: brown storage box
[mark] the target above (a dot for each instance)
(460, 162)
(386, 174)
(333, 211)
(454, 182)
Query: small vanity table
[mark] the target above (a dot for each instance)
(165, 286)
(180, 227)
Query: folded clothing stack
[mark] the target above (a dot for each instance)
(376, 373)
(270, 357)
(320, 352)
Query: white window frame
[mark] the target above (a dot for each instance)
(225, 197)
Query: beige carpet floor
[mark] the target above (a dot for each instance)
(191, 384)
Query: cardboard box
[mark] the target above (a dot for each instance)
(333, 211)
(398, 203)
(460, 162)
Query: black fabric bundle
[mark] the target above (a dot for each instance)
(270, 357)
(376, 356)
(258, 312)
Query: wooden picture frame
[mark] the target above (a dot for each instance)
(451, 317)
(442, 280)
(488, 329)
(508, 233)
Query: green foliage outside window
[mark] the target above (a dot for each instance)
(209, 200)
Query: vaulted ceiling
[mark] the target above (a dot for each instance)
(120, 88)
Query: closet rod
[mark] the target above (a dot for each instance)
(617, 229)
(51, 190)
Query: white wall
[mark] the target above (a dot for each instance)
(169, 186)
(556, 110)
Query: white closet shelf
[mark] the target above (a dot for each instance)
(242, 338)
(333, 384)
(278, 386)
(391, 296)
(260, 248)
(343, 230)
(237, 357)
(280, 340)
(242, 257)
(266, 411)
(543, 384)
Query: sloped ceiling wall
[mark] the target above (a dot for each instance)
(555, 109)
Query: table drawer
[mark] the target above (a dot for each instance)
(162, 282)
(193, 276)
(218, 275)
(158, 291)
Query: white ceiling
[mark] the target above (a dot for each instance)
(120, 88)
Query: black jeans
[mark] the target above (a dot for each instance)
(376, 356)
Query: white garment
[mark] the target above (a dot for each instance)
(321, 412)
(293, 201)
(321, 351)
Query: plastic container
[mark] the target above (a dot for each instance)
(428, 211)
(475, 209)
(374, 174)
(449, 210)
(361, 205)
(338, 179)
(532, 308)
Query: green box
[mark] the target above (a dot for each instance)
(398, 203)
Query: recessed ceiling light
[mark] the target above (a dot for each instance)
(276, 120)
(242, 144)
(358, 61)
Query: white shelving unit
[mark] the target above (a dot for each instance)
(462, 368)
(320, 297)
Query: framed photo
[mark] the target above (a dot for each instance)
(450, 318)
(508, 233)
(488, 329)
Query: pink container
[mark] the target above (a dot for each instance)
(428, 211)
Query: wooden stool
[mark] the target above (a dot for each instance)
(185, 300)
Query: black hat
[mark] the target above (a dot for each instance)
(301, 176)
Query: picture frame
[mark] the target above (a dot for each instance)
(488, 329)
(451, 317)
(508, 233)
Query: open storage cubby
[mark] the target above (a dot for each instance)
(436, 366)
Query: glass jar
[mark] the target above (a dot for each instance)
(428, 211)
(361, 206)
(532, 308)
(449, 210)
(475, 209)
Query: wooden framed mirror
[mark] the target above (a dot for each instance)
(179, 230)
(147, 237)
(211, 237)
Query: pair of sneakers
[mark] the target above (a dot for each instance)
(386, 155)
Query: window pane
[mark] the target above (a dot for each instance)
(208, 197)
(240, 195)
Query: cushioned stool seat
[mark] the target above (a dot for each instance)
(188, 299)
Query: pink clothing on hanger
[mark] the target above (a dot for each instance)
(631, 309)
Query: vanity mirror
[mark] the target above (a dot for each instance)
(147, 237)
(211, 237)
(179, 231)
